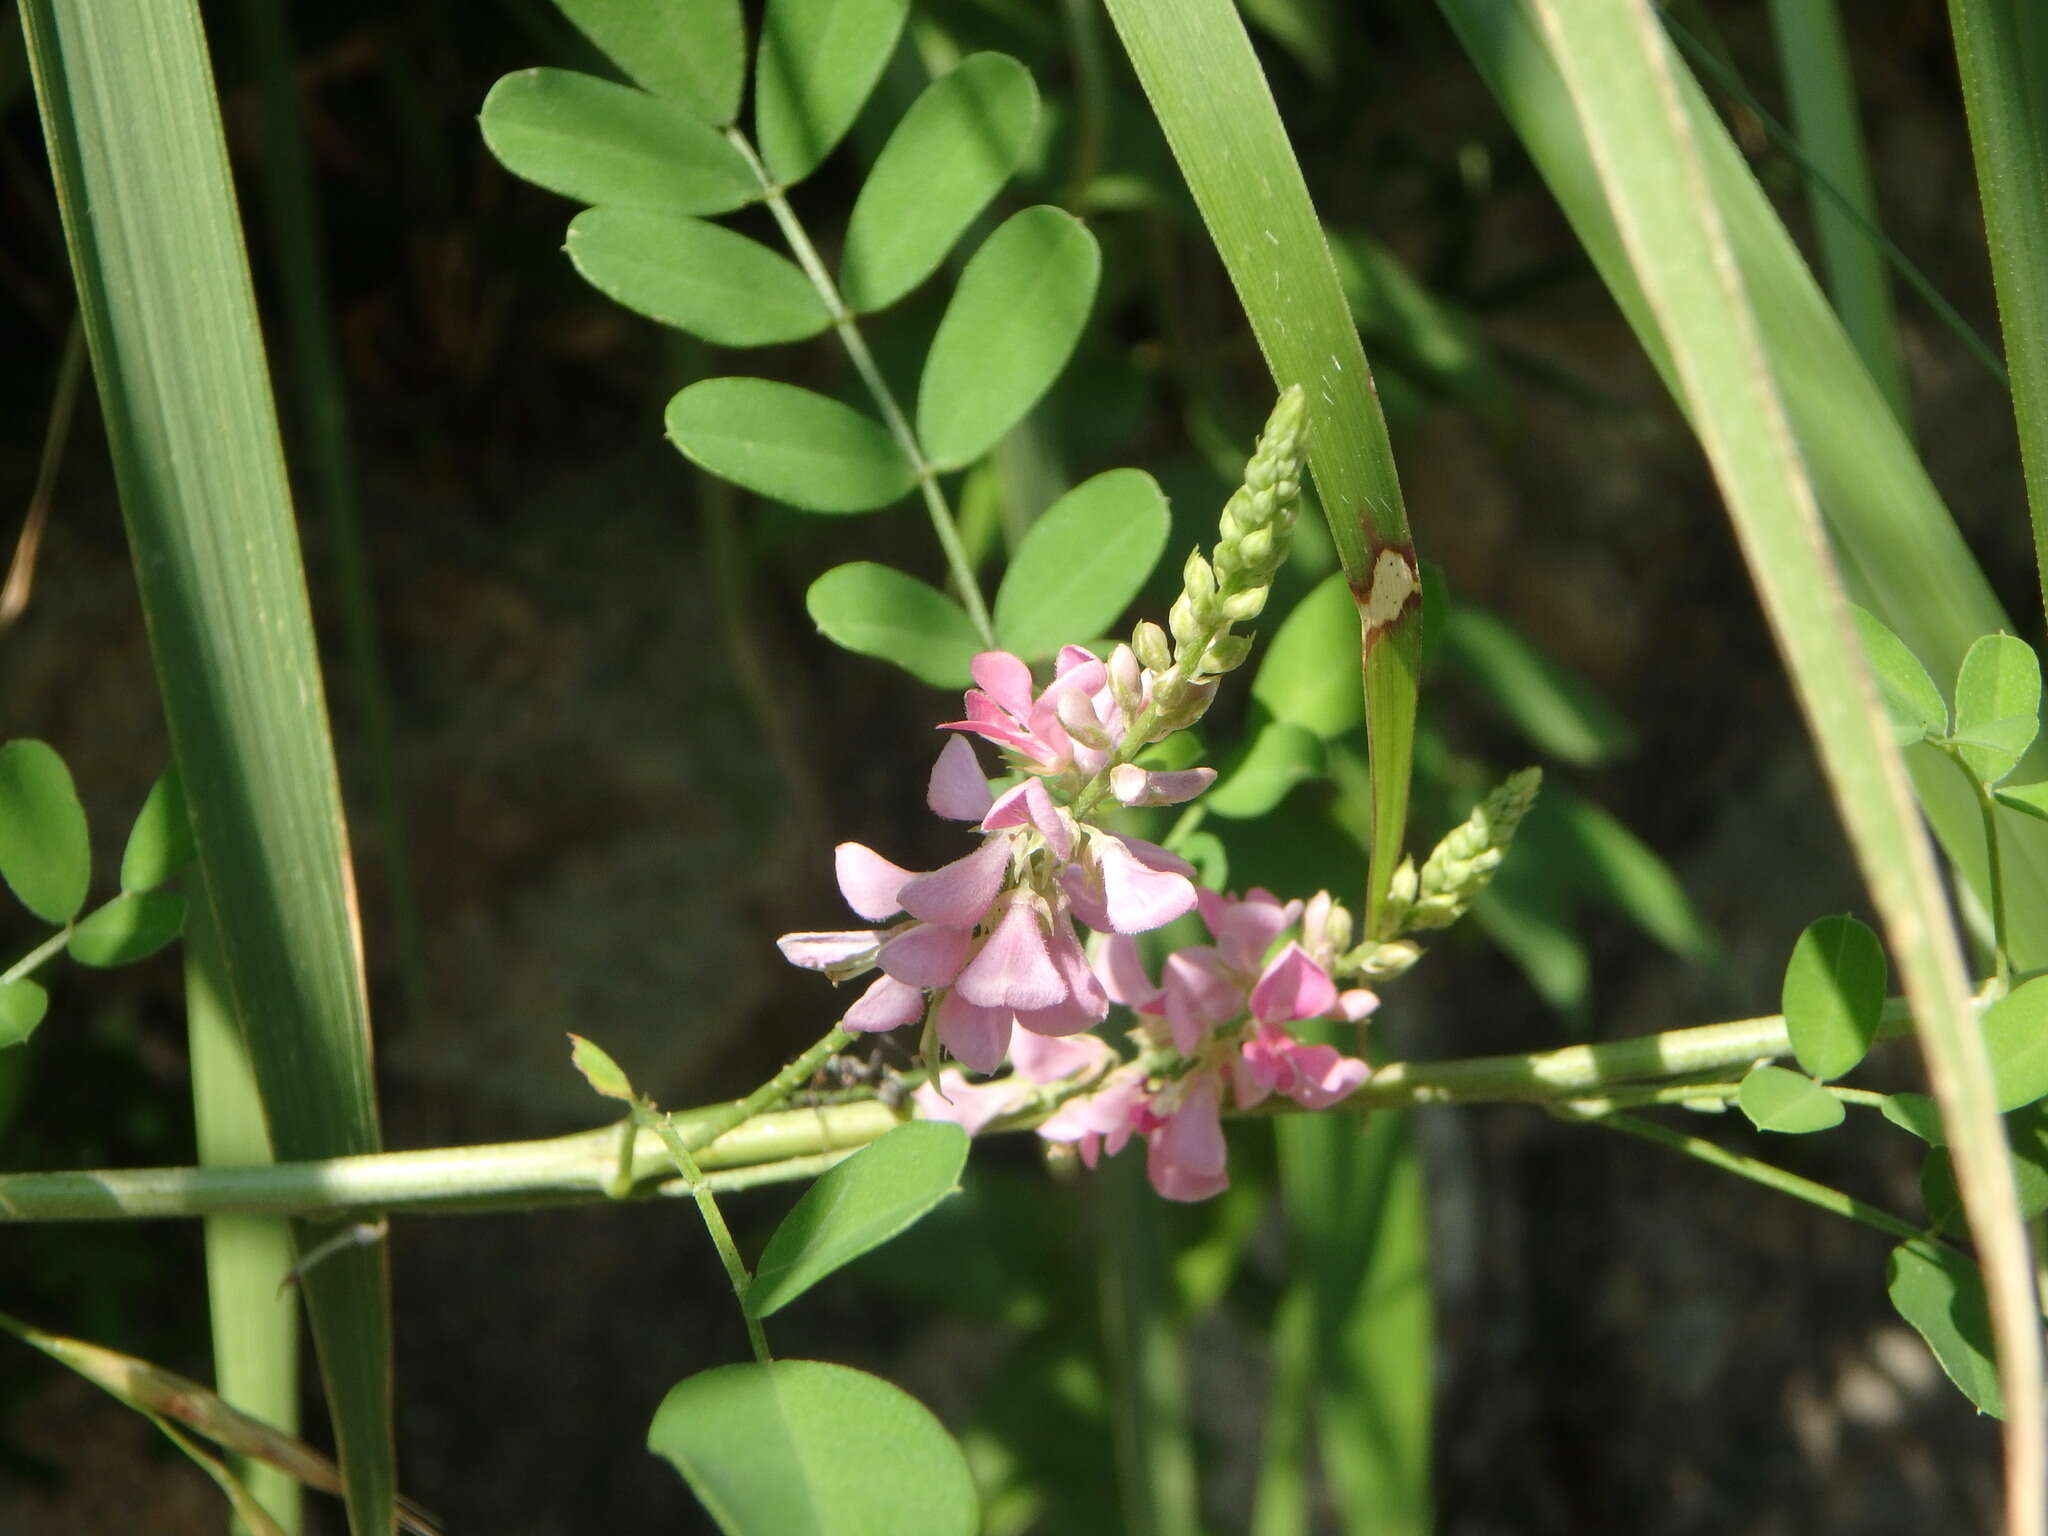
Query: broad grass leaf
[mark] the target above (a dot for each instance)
(1998, 705)
(22, 1006)
(1307, 678)
(695, 51)
(1778, 1100)
(878, 611)
(1009, 330)
(127, 929)
(817, 62)
(1833, 995)
(601, 142)
(45, 852)
(1078, 567)
(802, 1448)
(790, 444)
(857, 1205)
(1941, 1293)
(1911, 700)
(696, 276)
(1555, 708)
(160, 843)
(1281, 755)
(952, 152)
(2016, 1036)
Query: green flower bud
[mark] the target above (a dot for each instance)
(1149, 641)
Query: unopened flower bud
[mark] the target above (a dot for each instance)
(1381, 962)
(1149, 641)
(1186, 624)
(1126, 682)
(1225, 654)
(1242, 606)
(1078, 716)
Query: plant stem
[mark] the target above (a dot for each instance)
(1994, 876)
(806, 254)
(649, 1118)
(771, 1093)
(33, 961)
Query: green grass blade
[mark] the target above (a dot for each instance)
(2002, 53)
(1814, 56)
(141, 172)
(1203, 80)
(1902, 555)
(1623, 85)
(255, 1319)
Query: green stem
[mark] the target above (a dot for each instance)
(34, 960)
(1994, 875)
(649, 1118)
(771, 1093)
(957, 563)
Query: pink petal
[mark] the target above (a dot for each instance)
(1056, 829)
(1293, 987)
(1357, 1004)
(967, 1105)
(871, 885)
(1122, 972)
(1111, 1110)
(1323, 1075)
(1005, 679)
(1199, 995)
(1248, 1085)
(830, 952)
(1136, 897)
(1135, 786)
(1152, 856)
(958, 895)
(957, 791)
(1013, 968)
(1008, 809)
(926, 955)
(1185, 1157)
(1072, 656)
(1083, 888)
(888, 1004)
(1248, 928)
(975, 1035)
(1043, 1059)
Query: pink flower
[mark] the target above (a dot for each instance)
(1102, 1121)
(971, 1106)
(1185, 1150)
(1076, 722)
(1273, 1061)
(1127, 885)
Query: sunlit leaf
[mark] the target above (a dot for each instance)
(1998, 705)
(2027, 799)
(1081, 563)
(696, 276)
(1941, 1294)
(1779, 1100)
(1280, 756)
(599, 1070)
(801, 1448)
(1305, 678)
(601, 142)
(128, 928)
(877, 610)
(816, 63)
(1917, 1113)
(1911, 700)
(855, 1206)
(22, 1006)
(695, 51)
(1833, 995)
(1009, 330)
(45, 853)
(160, 843)
(2016, 1035)
(789, 443)
(951, 153)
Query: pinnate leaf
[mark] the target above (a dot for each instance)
(1998, 705)
(876, 610)
(817, 62)
(1778, 1100)
(1007, 333)
(857, 1205)
(789, 443)
(1833, 995)
(45, 854)
(1911, 700)
(128, 928)
(802, 1448)
(160, 843)
(1941, 1293)
(1280, 756)
(695, 51)
(696, 276)
(601, 142)
(1081, 563)
(1310, 675)
(2016, 1036)
(952, 152)
(22, 1006)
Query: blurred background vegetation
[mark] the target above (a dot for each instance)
(621, 755)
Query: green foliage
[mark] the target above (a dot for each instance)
(698, 277)
(1078, 567)
(801, 1448)
(1941, 1294)
(1300, 682)
(1998, 706)
(131, 927)
(1833, 995)
(855, 1206)
(600, 142)
(696, 51)
(1779, 1100)
(160, 843)
(2016, 1036)
(817, 62)
(876, 610)
(22, 1006)
(604, 1075)
(2026, 1132)
(1914, 705)
(1917, 1113)
(951, 153)
(45, 853)
(1009, 330)
(789, 443)
(1554, 707)
(2027, 799)
(1257, 777)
